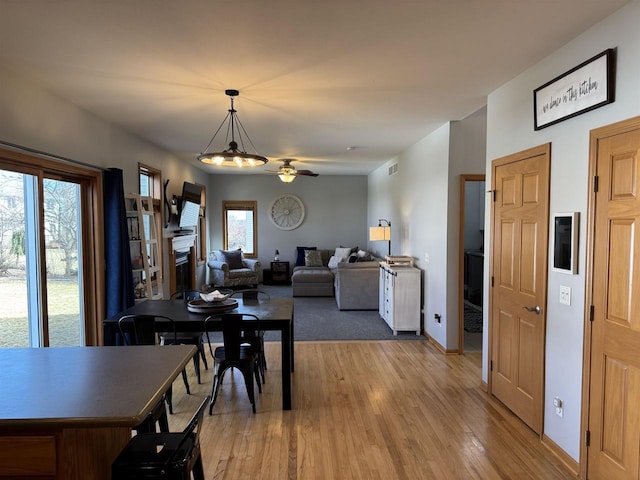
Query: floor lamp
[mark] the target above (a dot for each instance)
(381, 232)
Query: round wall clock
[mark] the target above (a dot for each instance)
(287, 212)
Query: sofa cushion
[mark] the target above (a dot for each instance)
(300, 257)
(334, 261)
(343, 253)
(233, 258)
(312, 258)
(312, 275)
(238, 273)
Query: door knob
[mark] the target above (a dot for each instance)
(536, 309)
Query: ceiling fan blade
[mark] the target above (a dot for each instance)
(308, 173)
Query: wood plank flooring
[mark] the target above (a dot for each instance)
(365, 410)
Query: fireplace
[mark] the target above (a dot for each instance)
(183, 271)
(182, 261)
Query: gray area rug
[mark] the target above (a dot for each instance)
(472, 319)
(318, 318)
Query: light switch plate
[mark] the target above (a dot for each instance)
(565, 295)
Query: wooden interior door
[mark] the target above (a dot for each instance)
(614, 403)
(520, 226)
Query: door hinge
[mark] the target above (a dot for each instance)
(591, 312)
(492, 280)
(491, 365)
(494, 195)
(587, 438)
(595, 184)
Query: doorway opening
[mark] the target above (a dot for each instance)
(470, 305)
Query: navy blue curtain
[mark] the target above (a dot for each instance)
(118, 278)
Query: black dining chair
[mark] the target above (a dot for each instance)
(255, 337)
(141, 330)
(188, 338)
(235, 353)
(167, 456)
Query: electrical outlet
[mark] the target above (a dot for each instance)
(565, 295)
(426, 258)
(438, 318)
(559, 404)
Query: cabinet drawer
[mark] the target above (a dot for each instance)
(28, 455)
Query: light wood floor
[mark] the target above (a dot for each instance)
(366, 410)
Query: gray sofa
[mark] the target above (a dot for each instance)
(355, 285)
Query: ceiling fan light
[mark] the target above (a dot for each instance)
(286, 177)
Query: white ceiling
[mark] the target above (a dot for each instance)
(315, 77)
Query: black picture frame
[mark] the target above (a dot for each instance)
(565, 242)
(586, 87)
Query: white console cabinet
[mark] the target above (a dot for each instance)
(399, 304)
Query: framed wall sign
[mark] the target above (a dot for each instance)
(565, 242)
(588, 86)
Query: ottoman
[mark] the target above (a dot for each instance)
(312, 282)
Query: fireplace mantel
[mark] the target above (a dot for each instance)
(182, 243)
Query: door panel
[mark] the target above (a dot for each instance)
(519, 253)
(614, 382)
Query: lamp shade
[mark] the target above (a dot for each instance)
(379, 233)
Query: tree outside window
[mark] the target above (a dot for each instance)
(240, 226)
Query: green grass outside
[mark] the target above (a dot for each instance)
(64, 312)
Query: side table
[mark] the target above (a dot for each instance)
(280, 273)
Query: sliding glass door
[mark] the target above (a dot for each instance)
(42, 290)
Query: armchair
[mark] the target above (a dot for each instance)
(232, 269)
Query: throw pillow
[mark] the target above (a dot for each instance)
(353, 258)
(365, 258)
(233, 258)
(343, 253)
(312, 258)
(352, 249)
(300, 257)
(334, 261)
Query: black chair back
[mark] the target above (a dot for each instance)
(251, 294)
(186, 295)
(141, 330)
(233, 326)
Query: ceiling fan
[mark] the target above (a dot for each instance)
(288, 172)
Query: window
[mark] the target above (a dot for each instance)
(240, 226)
(50, 253)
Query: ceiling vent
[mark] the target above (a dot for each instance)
(393, 169)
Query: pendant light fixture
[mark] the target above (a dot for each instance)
(232, 156)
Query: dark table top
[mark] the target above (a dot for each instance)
(85, 386)
(274, 314)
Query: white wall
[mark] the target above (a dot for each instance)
(474, 215)
(335, 209)
(35, 118)
(510, 130)
(422, 201)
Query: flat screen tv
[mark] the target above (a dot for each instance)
(189, 205)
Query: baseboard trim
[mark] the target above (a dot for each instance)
(560, 454)
(439, 347)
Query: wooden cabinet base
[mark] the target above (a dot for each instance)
(69, 454)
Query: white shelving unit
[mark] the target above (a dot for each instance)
(143, 245)
(399, 303)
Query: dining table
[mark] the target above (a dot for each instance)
(275, 314)
(67, 412)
